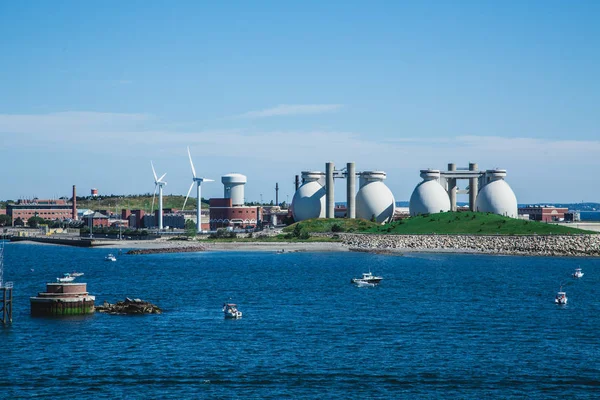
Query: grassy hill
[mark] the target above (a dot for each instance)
(143, 202)
(470, 223)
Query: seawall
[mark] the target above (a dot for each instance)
(541, 245)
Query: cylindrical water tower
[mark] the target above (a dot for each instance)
(233, 185)
(429, 197)
(374, 199)
(309, 200)
(497, 197)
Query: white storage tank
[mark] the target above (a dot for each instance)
(429, 197)
(496, 196)
(374, 198)
(233, 185)
(309, 200)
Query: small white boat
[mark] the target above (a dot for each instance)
(66, 278)
(231, 312)
(577, 273)
(110, 257)
(76, 274)
(362, 283)
(367, 277)
(561, 298)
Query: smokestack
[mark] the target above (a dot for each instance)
(276, 193)
(329, 188)
(297, 182)
(74, 210)
(350, 190)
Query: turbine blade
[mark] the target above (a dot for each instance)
(191, 163)
(188, 195)
(208, 180)
(161, 178)
(153, 171)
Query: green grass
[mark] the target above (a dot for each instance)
(448, 223)
(138, 203)
(318, 225)
(472, 223)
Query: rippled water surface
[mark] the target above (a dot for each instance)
(439, 325)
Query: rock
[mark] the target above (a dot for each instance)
(129, 306)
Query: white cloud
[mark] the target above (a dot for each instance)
(292, 109)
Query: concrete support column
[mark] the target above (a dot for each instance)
(297, 182)
(473, 187)
(351, 190)
(329, 191)
(452, 188)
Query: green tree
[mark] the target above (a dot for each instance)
(34, 222)
(190, 228)
(5, 220)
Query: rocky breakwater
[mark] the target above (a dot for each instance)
(176, 249)
(129, 306)
(549, 245)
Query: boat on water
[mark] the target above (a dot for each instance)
(561, 298)
(367, 277)
(66, 278)
(110, 257)
(231, 312)
(76, 274)
(362, 283)
(577, 273)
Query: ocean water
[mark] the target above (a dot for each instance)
(438, 326)
(589, 215)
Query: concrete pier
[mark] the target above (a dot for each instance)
(329, 191)
(62, 299)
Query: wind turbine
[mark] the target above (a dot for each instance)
(198, 181)
(158, 182)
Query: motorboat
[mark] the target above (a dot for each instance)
(367, 277)
(361, 283)
(577, 273)
(66, 278)
(110, 257)
(76, 274)
(231, 312)
(561, 298)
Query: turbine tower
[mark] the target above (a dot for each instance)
(158, 182)
(198, 181)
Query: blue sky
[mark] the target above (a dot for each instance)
(91, 92)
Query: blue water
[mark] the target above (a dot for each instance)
(589, 215)
(439, 325)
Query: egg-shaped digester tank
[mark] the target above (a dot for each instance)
(374, 198)
(309, 200)
(497, 197)
(429, 197)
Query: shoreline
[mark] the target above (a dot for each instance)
(539, 246)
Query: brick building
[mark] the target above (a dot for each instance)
(46, 209)
(224, 215)
(544, 213)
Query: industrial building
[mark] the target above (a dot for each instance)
(487, 190)
(315, 197)
(230, 211)
(548, 213)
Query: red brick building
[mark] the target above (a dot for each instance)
(224, 215)
(98, 219)
(46, 209)
(544, 213)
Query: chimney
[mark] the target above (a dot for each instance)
(276, 193)
(74, 211)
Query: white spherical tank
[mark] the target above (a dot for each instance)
(429, 197)
(309, 200)
(497, 197)
(374, 198)
(233, 186)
